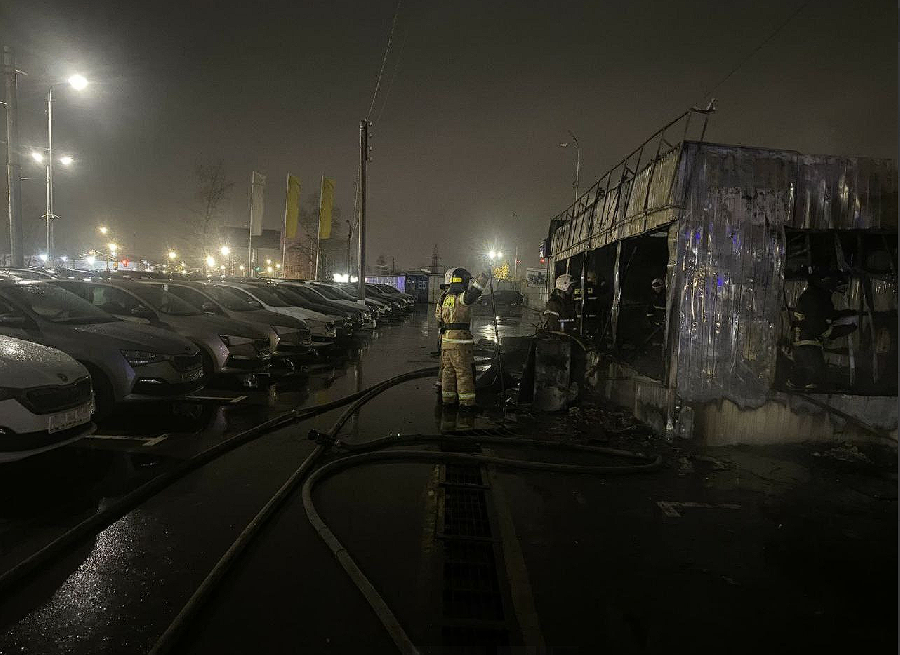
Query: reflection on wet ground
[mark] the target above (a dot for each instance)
(44, 495)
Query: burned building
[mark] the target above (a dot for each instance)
(694, 255)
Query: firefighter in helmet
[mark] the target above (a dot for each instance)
(457, 343)
(559, 314)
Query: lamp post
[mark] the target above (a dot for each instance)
(574, 142)
(77, 82)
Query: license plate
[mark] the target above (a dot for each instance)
(69, 418)
(193, 376)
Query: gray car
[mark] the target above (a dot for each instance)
(289, 337)
(227, 347)
(127, 362)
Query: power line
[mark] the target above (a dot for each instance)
(765, 41)
(387, 93)
(387, 51)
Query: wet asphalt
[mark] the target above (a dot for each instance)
(742, 549)
(118, 592)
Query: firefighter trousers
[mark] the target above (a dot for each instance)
(457, 375)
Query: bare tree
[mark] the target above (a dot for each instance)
(212, 187)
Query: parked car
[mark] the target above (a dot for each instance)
(360, 317)
(228, 348)
(289, 337)
(394, 292)
(379, 309)
(46, 400)
(323, 328)
(502, 298)
(127, 362)
(368, 313)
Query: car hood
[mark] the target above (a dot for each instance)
(24, 364)
(271, 318)
(126, 335)
(222, 325)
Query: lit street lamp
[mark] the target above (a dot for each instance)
(210, 261)
(103, 230)
(38, 157)
(173, 255)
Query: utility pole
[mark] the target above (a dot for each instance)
(363, 162)
(13, 168)
(349, 240)
(50, 215)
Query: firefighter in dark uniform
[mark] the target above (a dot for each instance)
(559, 313)
(457, 342)
(437, 315)
(812, 321)
(656, 312)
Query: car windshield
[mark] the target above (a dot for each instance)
(291, 296)
(234, 299)
(57, 305)
(305, 293)
(339, 294)
(269, 297)
(162, 300)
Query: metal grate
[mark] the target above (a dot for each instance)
(470, 582)
(46, 400)
(456, 474)
(465, 513)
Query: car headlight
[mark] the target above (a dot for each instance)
(143, 357)
(234, 340)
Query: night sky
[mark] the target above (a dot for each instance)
(465, 146)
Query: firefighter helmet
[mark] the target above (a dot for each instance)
(457, 275)
(564, 282)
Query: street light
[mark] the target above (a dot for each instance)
(77, 82)
(173, 255)
(43, 257)
(38, 157)
(210, 261)
(574, 142)
(492, 254)
(225, 250)
(66, 160)
(103, 230)
(90, 259)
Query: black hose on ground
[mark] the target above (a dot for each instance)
(116, 510)
(176, 628)
(374, 452)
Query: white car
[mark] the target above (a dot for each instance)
(46, 399)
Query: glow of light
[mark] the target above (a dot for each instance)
(268, 261)
(36, 156)
(43, 256)
(277, 265)
(492, 254)
(499, 255)
(341, 277)
(241, 267)
(66, 160)
(90, 259)
(64, 258)
(269, 269)
(103, 229)
(113, 248)
(78, 82)
(225, 250)
(173, 255)
(210, 261)
(222, 267)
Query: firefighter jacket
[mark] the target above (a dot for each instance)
(559, 312)
(455, 314)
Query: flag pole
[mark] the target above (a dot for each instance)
(250, 230)
(287, 186)
(319, 230)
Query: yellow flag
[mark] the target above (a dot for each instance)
(326, 204)
(291, 207)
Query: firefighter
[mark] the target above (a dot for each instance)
(437, 315)
(656, 312)
(457, 343)
(559, 314)
(813, 317)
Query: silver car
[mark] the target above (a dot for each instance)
(127, 362)
(289, 337)
(227, 347)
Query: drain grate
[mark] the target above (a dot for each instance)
(474, 605)
(465, 513)
(455, 474)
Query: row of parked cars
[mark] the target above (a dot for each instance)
(74, 345)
